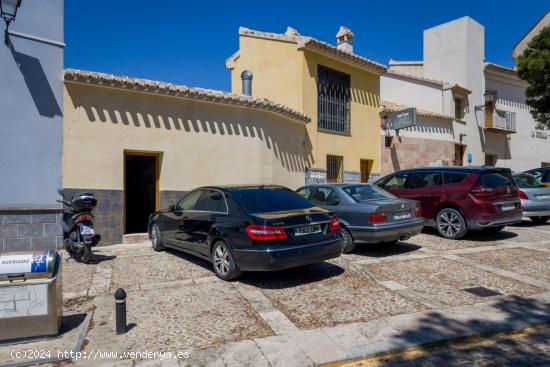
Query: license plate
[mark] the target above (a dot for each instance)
(404, 215)
(86, 230)
(506, 207)
(302, 231)
(542, 197)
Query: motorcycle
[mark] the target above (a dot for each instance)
(78, 228)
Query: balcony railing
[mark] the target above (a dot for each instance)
(500, 121)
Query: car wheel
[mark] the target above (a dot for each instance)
(492, 230)
(348, 244)
(156, 238)
(223, 262)
(540, 220)
(450, 224)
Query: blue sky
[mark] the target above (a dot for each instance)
(188, 42)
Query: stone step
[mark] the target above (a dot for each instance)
(135, 238)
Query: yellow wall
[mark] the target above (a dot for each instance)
(276, 67)
(202, 143)
(364, 140)
(287, 75)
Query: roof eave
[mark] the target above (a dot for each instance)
(73, 76)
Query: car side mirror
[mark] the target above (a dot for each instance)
(172, 207)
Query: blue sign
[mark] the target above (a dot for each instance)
(470, 157)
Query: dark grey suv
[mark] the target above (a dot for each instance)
(367, 213)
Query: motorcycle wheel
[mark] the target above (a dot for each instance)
(86, 253)
(68, 247)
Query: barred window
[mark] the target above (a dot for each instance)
(335, 168)
(333, 100)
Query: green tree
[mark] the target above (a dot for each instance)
(533, 66)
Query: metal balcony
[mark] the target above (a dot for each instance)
(500, 121)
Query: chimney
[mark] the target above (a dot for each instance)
(246, 77)
(344, 39)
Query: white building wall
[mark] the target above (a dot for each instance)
(411, 92)
(526, 150)
(454, 52)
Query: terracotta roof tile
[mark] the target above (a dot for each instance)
(182, 91)
(386, 106)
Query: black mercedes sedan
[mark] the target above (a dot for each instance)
(367, 213)
(247, 228)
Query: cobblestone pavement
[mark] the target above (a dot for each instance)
(524, 348)
(377, 299)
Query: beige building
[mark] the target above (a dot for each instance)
(339, 89)
(138, 145)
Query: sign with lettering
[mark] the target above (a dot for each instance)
(401, 119)
(27, 263)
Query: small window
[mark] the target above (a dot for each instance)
(458, 108)
(211, 201)
(304, 192)
(453, 177)
(325, 196)
(335, 168)
(188, 201)
(333, 100)
(422, 180)
(396, 181)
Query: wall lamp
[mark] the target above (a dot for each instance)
(490, 100)
(8, 11)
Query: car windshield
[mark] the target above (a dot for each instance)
(528, 181)
(366, 192)
(270, 199)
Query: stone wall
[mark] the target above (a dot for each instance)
(406, 152)
(29, 230)
(108, 215)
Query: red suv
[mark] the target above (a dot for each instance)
(456, 199)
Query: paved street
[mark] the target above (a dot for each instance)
(529, 347)
(378, 299)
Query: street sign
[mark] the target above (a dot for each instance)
(401, 119)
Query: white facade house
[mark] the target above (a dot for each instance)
(454, 81)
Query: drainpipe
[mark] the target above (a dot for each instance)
(246, 77)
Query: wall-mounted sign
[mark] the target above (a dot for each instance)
(470, 158)
(401, 119)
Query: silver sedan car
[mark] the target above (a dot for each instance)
(367, 213)
(535, 198)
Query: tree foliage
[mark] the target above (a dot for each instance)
(533, 66)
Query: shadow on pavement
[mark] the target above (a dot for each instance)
(385, 249)
(292, 277)
(477, 235)
(71, 322)
(436, 327)
(531, 224)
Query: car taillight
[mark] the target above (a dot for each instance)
(266, 233)
(334, 224)
(377, 217)
(481, 190)
(84, 217)
(418, 212)
(523, 195)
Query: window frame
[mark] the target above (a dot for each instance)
(326, 81)
(425, 173)
(203, 191)
(333, 191)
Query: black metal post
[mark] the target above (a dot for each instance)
(6, 33)
(120, 299)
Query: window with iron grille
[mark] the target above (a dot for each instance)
(333, 100)
(335, 168)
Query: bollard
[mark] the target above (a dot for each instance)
(120, 311)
